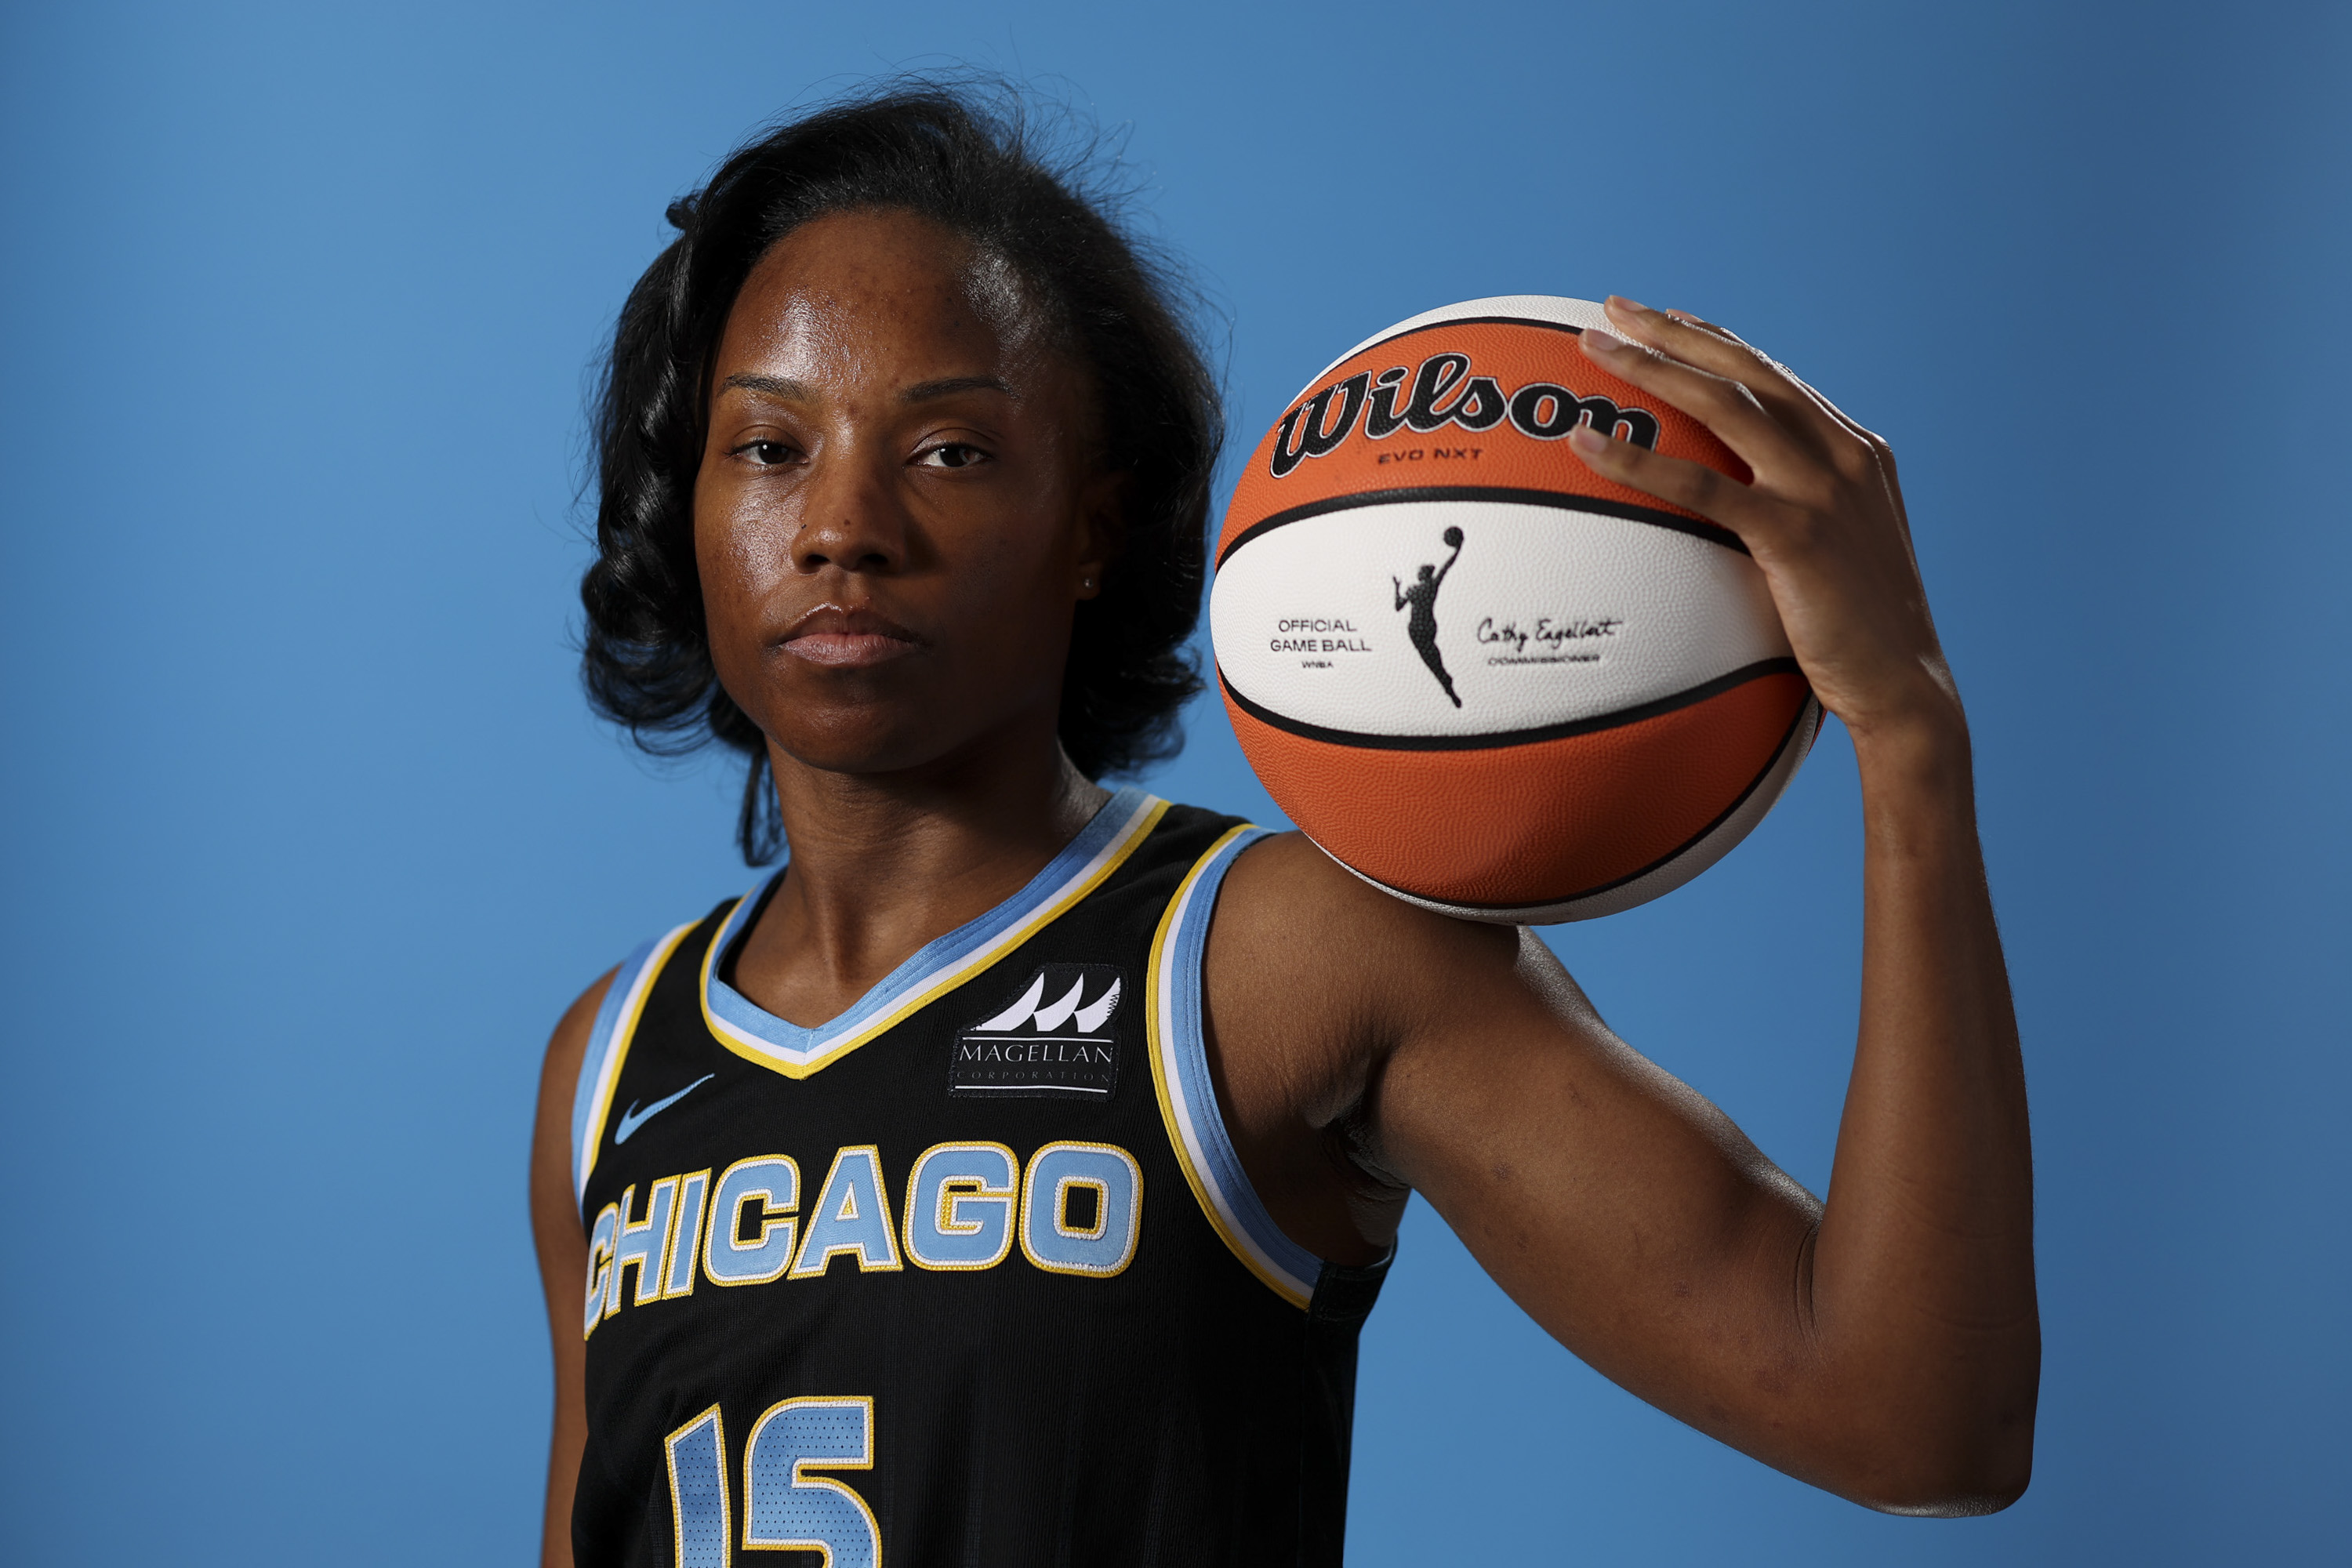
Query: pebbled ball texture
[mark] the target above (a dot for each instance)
(1474, 672)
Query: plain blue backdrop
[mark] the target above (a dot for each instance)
(310, 837)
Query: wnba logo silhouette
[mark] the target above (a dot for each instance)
(1421, 624)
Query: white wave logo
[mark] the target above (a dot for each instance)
(1088, 1017)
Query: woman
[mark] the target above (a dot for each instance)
(1005, 1180)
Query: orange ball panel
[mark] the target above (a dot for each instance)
(1501, 456)
(1539, 824)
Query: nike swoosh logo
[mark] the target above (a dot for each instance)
(632, 1118)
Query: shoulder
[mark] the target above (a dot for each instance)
(553, 1136)
(583, 1052)
(596, 1013)
(567, 1047)
(1290, 913)
(1312, 974)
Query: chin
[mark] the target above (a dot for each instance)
(856, 749)
(862, 741)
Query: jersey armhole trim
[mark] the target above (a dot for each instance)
(608, 1048)
(1173, 1019)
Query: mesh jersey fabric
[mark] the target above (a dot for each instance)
(969, 1275)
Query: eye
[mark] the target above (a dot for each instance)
(951, 454)
(763, 453)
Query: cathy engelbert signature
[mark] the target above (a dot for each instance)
(1553, 639)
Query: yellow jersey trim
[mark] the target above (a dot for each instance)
(625, 1029)
(795, 1065)
(1160, 1033)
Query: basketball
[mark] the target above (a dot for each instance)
(1474, 672)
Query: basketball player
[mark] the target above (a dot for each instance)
(1421, 626)
(1005, 1180)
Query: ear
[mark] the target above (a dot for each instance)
(1102, 530)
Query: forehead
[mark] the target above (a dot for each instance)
(860, 291)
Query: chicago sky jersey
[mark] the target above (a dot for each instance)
(969, 1275)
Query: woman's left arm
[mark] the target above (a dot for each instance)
(1886, 1341)
(1926, 1241)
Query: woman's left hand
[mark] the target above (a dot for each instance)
(1823, 516)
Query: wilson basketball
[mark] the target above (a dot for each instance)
(1475, 672)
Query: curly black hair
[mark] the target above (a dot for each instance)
(969, 158)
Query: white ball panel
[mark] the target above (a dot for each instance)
(1578, 313)
(1661, 880)
(1547, 617)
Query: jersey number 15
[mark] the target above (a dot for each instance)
(784, 1506)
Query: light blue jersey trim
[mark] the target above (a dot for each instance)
(1196, 1124)
(751, 1031)
(608, 1042)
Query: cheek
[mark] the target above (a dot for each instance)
(1011, 560)
(740, 554)
(740, 562)
(1012, 589)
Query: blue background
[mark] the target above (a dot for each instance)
(309, 837)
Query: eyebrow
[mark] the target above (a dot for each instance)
(924, 391)
(921, 391)
(774, 385)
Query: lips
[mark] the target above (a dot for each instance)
(848, 639)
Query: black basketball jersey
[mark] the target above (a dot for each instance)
(970, 1275)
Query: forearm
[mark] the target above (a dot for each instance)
(1919, 1294)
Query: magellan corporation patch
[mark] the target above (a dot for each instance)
(1058, 1039)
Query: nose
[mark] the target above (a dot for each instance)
(852, 521)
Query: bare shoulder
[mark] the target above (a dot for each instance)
(1318, 983)
(1312, 974)
(568, 1044)
(559, 1075)
(1292, 922)
(1346, 1026)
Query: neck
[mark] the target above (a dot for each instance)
(882, 864)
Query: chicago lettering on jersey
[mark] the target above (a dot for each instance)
(1443, 392)
(1074, 1208)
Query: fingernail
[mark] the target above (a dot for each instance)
(1618, 305)
(1601, 342)
(1588, 440)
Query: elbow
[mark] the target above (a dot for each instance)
(1947, 1475)
(1955, 1494)
(1950, 1447)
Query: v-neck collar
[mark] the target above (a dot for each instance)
(751, 1031)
